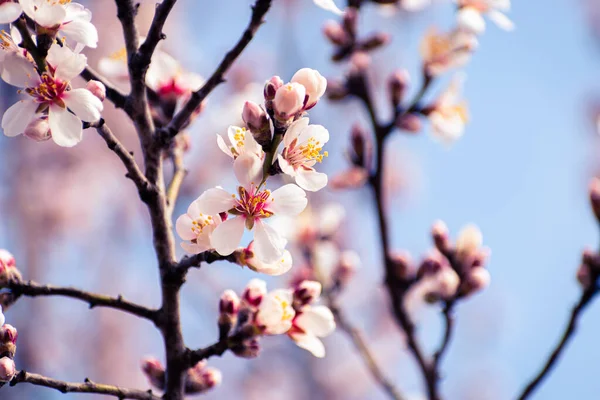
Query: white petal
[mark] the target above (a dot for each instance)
(251, 145)
(184, 226)
(227, 236)
(329, 5)
(81, 31)
(214, 201)
(501, 20)
(294, 130)
(415, 5)
(66, 128)
(48, 15)
(471, 19)
(9, 12)
(18, 71)
(280, 267)
(288, 200)
(84, 104)
(311, 180)
(18, 116)
(310, 343)
(248, 169)
(268, 244)
(223, 146)
(285, 166)
(330, 218)
(317, 132)
(317, 320)
(2, 318)
(68, 64)
(192, 248)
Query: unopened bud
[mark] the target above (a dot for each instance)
(349, 263)
(360, 146)
(584, 276)
(397, 84)
(350, 20)
(594, 193)
(271, 87)
(375, 41)
(336, 90)
(257, 121)
(38, 129)
(154, 371)
(478, 279)
(469, 240)
(254, 292)
(8, 341)
(314, 83)
(97, 88)
(289, 101)
(409, 123)
(7, 260)
(229, 305)
(441, 236)
(200, 379)
(402, 265)
(248, 348)
(432, 264)
(443, 284)
(359, 63)
(8, 269)
(352, 178)
(307, 292)
(7, 369)
(335, 33)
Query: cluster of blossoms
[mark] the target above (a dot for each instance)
(8, 347)
(217, 219)
(282, 311)
(198, 379)
(449, 271)
(52, 107)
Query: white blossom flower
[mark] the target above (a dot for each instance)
(311, 324)
(279, 267)
(314, 83)
(9, 11)
(168, 79)
(303, 148)
(275, 312)
(241, 141)
(450, 113)
(250, 207)
(470, 14)
(115, 65)
(50, 94)
(444, 51)
(2, 318)
(8, 45)
(196, 229)
(66, 17)
(329, 5)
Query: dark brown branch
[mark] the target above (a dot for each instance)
(360, 343)
(448, 329)
(179, 173)
(585, 299)
(86, 387)
(182, 118)
(118, 98)
(193, 357)
(32, 289)
(155, 33)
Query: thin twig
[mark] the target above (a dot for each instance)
(85, 387)
(182, 118)
(179, 173)
(155, 33)
(585, 299)
(32, 289)
(448, 329)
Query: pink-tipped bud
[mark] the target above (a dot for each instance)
(249, 348)
(7, 260)
(478, 279)
(441, 236)
(350, 20)
(335, 33)
(97, 88)
(409, 123)
(271, 87)
(359, 63)
(254, 292)
(469, 240)
(255, 117)
(154, 371)
(584, 276)
(229, 306)
(349, 263)
(38, 129)
(314, 83)
(200, 379)
(594, 193)
(432, 264)
(307, 292)
(403, 265)
(352, 178)
(7, 369)
(375, 41)
(289, 101)
(447, 282)
(8, 334)
(397, 84)
(8, 268)
(336, 90)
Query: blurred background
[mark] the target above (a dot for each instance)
(520, 173)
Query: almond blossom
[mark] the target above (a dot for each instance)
(449, 114)
(470, 14)
(303, 148)
(50, 94)
(314, 83)
(250, 207)
(240, 141)
(9, 11)
(66, 17)
(275, 312)
(279, 267)
(444, 51)
(169, 80)
(196, 229)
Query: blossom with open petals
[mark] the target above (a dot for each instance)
(169, 80)
(9, 11)
(471, 12)
(444, 51)
(50, 94)
(279, 267)
(240, 141)
(303, 148)
(196, 228)
(68, 18)
(311, 324)
(252, 205)
(449, 114)
(275, 312)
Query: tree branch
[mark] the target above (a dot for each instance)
(155, 33)
(32, 289)
(182, 118)
(118, 98)
(448, 329)
(179, 173)
(86, 387)
(585, 299)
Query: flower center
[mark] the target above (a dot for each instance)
(48, 91)
(312, 150)
(55, 2)
(6, 42)
(239, 136)
(119, 55)
(253, 204)
(285, 307)
(200, 223)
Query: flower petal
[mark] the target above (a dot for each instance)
(81, 31)
(288, 200)
(8, 13)
(214, 201)
(294, 130)
(501, 20)
(66, 128)
(223, 146)
(18, 116)
(84, 104)
(68, 64)
(311, 180)
(18, 71)
(248, 169)
(227, 236)
(329, 5)
(317, 320)
(184, 226)
(310, 343)
(268, 244)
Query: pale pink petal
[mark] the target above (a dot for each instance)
(501, 20)
(310, 343)
(227, 236)
(84, 104)
(248, 169)
(184, 226)
(288, 200)
(280, 267)
(285, 166)
(68, 64)
(18, 71)
(66, 128)
(192, 248)
(18, 116)
(294, 130)
(223, 146)
(214, 201)
(311, 180)
(317, 320)
(81, 31)
(9, 12)
(329, 5)
(318, 133)
(268, 244)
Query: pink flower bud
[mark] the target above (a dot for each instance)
(432, 264)
(38, 129)
(271, 87)
(97, 88)
(7, 369)
(397, 84)
(584, 276)
(441, 236)
(375, 41)
(199, 379)
(229, 302)
(8, 269)
(8, 334)
(359, 63)
(469, 240)
(352, 178)
(336, 90)
(289, 100)
(212, 377)
(403, 265)
(249, 348)
(307, 292)
(335, 33)
(350, 20)
(314, 83)
(254, 292)
(478, 279)
(7, 260)
(594, 193)
(409, 123)
(254, 116)
(154, 371)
